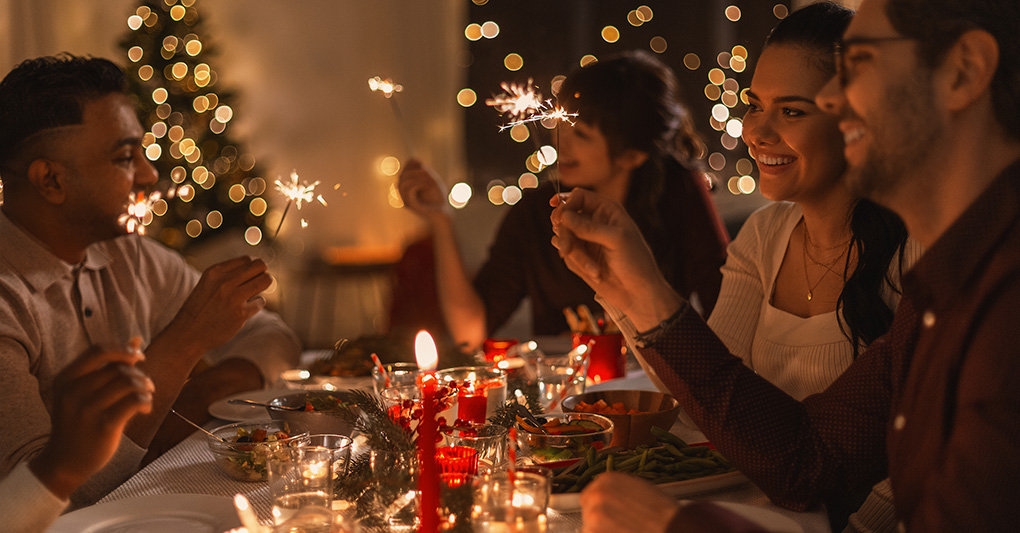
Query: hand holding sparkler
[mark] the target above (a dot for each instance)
(423, 192)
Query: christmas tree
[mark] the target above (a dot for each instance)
(215, 185)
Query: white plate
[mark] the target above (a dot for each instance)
(770, 521)
(678, 489)
(242, 413)
(160, 513)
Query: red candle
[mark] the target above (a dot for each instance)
(471, 405)
(428, 477)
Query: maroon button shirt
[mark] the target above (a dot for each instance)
(935, 402)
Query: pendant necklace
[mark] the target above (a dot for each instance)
(828, 267)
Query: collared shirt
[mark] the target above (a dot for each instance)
(52, 311)
(934, 399)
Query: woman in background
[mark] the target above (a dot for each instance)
(633, 142)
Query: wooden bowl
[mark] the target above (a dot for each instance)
(630, 431)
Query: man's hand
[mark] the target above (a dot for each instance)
(423, 192)
(94, 397)
(226, 296)
(600, 243)
(616, 502)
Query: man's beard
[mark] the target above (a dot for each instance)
(901, 136)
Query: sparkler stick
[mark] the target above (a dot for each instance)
(388, 88)
(295, 192)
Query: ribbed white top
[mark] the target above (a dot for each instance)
(802, 356)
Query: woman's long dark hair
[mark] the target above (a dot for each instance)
(877, 234)
(634, 101)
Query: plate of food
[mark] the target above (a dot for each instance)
(160, 513)
(679, 469)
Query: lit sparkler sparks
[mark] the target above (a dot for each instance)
(525, 105)
(551, 113)
(385, 86)
(296, 192)
(139, 211)
(517, 100)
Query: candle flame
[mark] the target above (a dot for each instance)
(425, 352)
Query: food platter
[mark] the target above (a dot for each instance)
(678, 489)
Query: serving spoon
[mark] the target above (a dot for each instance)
(237, 401)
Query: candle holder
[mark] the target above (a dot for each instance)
(481, 391)
(457, 460)
(495, 349)
(404, 406)
(502, 503)
(607, 358)
(490, 441)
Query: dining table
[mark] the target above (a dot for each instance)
(189, 469)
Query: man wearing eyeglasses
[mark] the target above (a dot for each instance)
(928, 92)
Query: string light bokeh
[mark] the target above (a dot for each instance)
(710, 46)
(187, 115)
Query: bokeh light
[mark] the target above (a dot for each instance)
(692, 61)
(657, 44)
(586, 59)
(473, 31)
(746, 184)
(716, 161)
(520, 133)
(253, 235)
(527, 181)
(512, 195)
(744, 166)
(193, 228)
(644, 13)
(780, 11)
(733, 13)
(389, 166)
(258, 206)
(214, 219)
(490, 30)
(513, 62)
(610, 35)
(466, 97)
(496, 194)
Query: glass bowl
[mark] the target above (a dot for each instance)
(570, 436)
(242, 452)
(325, 416)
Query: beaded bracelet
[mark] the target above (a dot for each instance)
(646, 338)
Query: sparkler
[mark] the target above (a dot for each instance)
(139, 211)
(524, 105)
(388, 88)
(296, 193)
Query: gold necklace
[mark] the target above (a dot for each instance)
(828, 267)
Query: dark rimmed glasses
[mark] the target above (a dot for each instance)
(840, 58)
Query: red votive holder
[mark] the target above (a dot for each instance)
(495, 349)
(453, 480)
(607, 359)
(457, 460)
(471, 406)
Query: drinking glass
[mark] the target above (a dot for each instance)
(340, 450)
(400, 375)
(301, 487)
(559, 377)
(505, 504)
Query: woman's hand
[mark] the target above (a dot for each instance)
(600, 243)
(423, 192)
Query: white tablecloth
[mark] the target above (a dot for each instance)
(188, 468)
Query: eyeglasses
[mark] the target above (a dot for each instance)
(842, 72)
